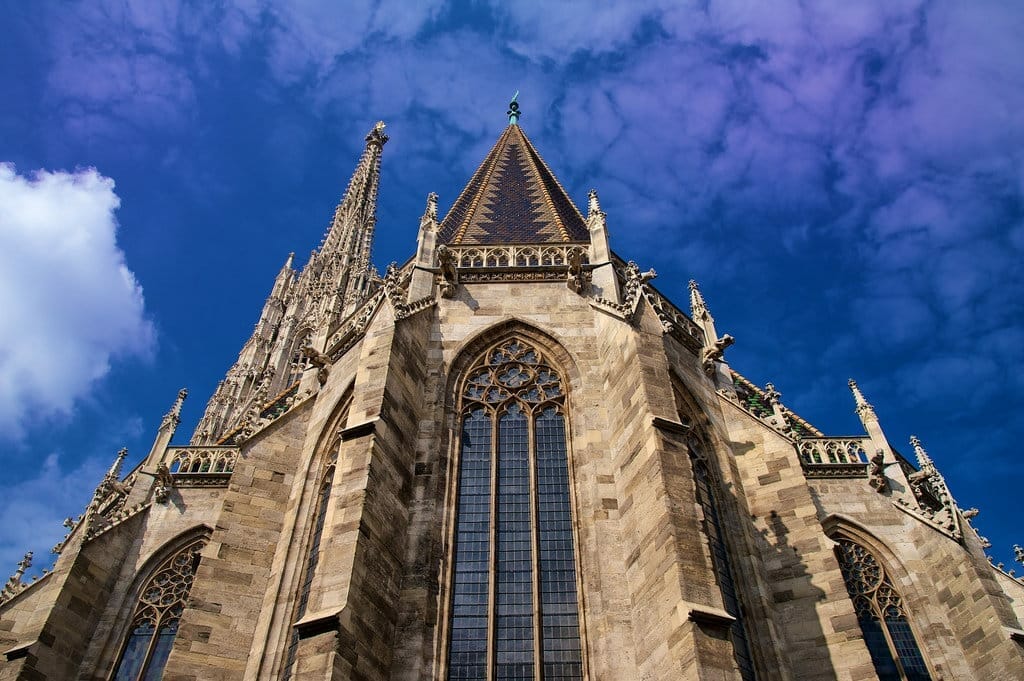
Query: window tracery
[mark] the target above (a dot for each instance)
(513, 612)
(155, 620)
(882, 617)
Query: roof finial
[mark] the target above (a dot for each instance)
(513, 110)
(864, 408)
(924, 462)
(593, 204)
(698, 308)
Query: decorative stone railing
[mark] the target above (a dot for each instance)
(548, 255)
(201, 466)
(834, 457)
(548, 262)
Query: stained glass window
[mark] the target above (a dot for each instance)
(882, 617)
(514, 613)
(706, 497)
(155, 620)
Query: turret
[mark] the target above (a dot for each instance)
(423, 276)
(869, 420)
(603, 278)
(168, 425)
(712, 357)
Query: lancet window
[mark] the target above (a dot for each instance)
(155, 620)
(514, 611)
(882, 617)
(312, 559)
(707, 498)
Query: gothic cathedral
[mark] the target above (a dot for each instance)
(510, 458)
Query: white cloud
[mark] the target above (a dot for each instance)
(69, 303)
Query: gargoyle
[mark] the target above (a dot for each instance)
(877, 472)
(579, 277)
(164, 483)
(449, 271)
(318, 359)
(714, 352)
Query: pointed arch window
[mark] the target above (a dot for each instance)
(298, 362)
(881, 615)
(514, 611)
(155, 620)
(707, 498)
(312, 559)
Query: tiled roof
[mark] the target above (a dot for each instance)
(513, 198)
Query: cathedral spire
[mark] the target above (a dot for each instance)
(343, 262)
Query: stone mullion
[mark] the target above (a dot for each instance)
(531, 458)
(492, 553)
(893, 650)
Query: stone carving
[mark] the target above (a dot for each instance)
(449, 270)
(876, 472)
(593, 204)
(932, 495)
(714, 352)
(163, 484)
(14, 584)
(318, 359)
(431, 211)
(1018, 554)
(635, 280)
(579, 277)
(393, 285)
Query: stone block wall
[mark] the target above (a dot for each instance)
(958, 611)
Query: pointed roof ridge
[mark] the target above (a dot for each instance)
(513, 197)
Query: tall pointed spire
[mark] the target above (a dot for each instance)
(343, 261)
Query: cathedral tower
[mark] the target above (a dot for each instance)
(511, 457)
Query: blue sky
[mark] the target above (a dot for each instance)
(845, 180)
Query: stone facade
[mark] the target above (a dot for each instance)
(321, 485)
